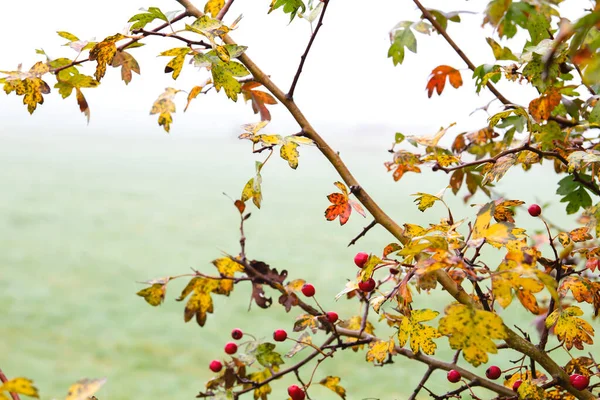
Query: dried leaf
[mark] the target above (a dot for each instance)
(84, 388)
(333, 383)
(164, 106)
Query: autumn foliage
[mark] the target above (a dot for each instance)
(553, 275)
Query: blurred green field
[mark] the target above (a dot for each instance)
(84, 218)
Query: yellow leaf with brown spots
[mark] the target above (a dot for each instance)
(582, 289)
(213, 7)
(176, 63)
(541, 108)
(509, 278)
(200, 303)
(306, 321)
(333, 383)
(530, 391)
(22, 386)
(154, 294)
(263, 391)
(503, 211)
(424, 200)
(580, 234)
(103, 53)
(421, 336)
(380, 350)
(570, 329)
(222, 53)
(472, 331)
(499, 168)
(84, 388)
(580, 365)
(127, 63)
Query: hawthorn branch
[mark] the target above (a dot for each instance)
(424, 379)
(290, 93)
(4, 379)
(363, 233)
(455, 290)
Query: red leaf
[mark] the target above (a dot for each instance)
(437, 79)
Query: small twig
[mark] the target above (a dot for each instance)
(363, 232)
(424, 379)
(129, 43)
(224, 10)
(4, 379)
(290, 93)
(455, 358)
(189, 42)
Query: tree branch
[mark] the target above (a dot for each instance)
(455, 290)
(4, 379)
(290, 94)
(224, 10)
(424, 379)
(174, 36)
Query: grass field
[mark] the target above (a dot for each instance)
(84, 218)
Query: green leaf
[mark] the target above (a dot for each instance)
(402, 38)
(142, 19)
(289, 7)
(576, 200)
(566, 185)
(267, 357)
(501, 53)
(69, 36)
(538, 27)
(485, 73)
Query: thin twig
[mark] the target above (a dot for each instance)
(362, 233)
(224, 10)
(4, 379)
(189, 42)
(290, 93)
(424, 379)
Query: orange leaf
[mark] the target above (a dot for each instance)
(437, 79)
(342, 205)
(259, 99)
(541, 108)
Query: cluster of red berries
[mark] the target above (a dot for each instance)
(230, 348)
(360, 259)
(579, 382)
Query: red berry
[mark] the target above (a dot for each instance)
(215, 365)
(516, 385)
(237, 334)
(493, 372)
(579, 382)
(308, 290)
(332, 316)
(279, 335)
(534, 210)
(230, 348)
(296, 393)
(360, 259)
(367, 286)
(453, 376)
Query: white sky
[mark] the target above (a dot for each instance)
(347, 81)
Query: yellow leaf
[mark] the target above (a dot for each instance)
(333, 383)
(412, 230)
(484, 216)
(84, 388)
(252, 190)
(263, 391)
(176, 63)
(22, 386)
(154, 294)
(503, 213)
(289, 152)
(164, 106)
(530, 391)
(354, 324)
(496, 234)
(227, 268)
(472, 331)
(421, 336)
(499, 168)
(509, 278)
(580, 234)
(424, 201)
(200, 302)
(580, 365)
(583, 289)
(306, 321)
(213, 7)
(103, 53)
(379, 350)
(196, 90)
(3, 396)
(570, 329)
(222, 53)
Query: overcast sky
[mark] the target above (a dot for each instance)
(348, 80)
